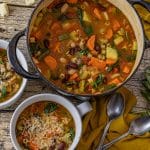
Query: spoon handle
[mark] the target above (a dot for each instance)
(103, 136)
(106, 146)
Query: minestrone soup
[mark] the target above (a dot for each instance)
(45, 126)
(9, 81)
(83, 46)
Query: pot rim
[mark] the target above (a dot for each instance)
(60, 90)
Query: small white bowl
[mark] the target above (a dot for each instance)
(76, 112)
(22, 60)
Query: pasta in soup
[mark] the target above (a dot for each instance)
(45, 126)
(83, 46)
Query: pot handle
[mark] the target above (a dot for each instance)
(141, 2)
(147, 6)
(84, 108)
(12, 56)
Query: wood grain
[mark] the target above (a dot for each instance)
(17, 21)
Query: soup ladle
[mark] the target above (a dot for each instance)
(115, 108)
(137, 127)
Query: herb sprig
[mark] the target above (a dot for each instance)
(146, 83)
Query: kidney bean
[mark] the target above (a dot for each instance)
(66, 78)
(73, 50)
(97, 47)
(101, 7)
(62, 146)
(105, 80)
(71, 65)
(46, 43)
(59, 5)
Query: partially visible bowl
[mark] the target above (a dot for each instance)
(16, 96)
(75, 111)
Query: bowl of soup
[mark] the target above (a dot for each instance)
(47, 121)
(11, 84)
(83, 48)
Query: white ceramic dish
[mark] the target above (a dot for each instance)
(76, 112)
(22, 60)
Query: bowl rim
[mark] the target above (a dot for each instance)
(14, 98)
(42, 98)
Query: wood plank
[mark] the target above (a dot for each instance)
(5, 141)
(17, 2)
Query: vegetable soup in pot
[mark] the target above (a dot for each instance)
(45, 126)
(83, 46)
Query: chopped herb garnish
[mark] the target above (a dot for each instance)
(50, 107)
(86, 26)
(72, 133)
(109, 87)
(63, 37)
(84, 52)
(99, 81)
(111, 67)
(3, 91)
(88, 29)
(131, 57)
(1, 62)
(80, 15)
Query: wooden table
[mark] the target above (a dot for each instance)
(17, 21)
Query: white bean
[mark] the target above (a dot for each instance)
(64, 8)
(63, 60)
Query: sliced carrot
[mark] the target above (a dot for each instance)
(110, 9)
(116, 25)
(115, 70)
(91, 44)
(74, 76)
(95, 62)
(39, 35)
(55, 26)
(72, 1)
(109, 34)
(32, 146)
(115, 81)
(51, 62)
(97, 13)
(57, 47)
(110, 61)
(85, 59)
(126, 69)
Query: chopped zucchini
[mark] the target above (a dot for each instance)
(82, 86)
(74, 36)
(112, 53)
(134, 48)
(121, 32)
(86, 17)
(84, 75)
(63, 37)
(118, 40)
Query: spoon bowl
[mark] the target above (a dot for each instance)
(140, 126)
(115, 108)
